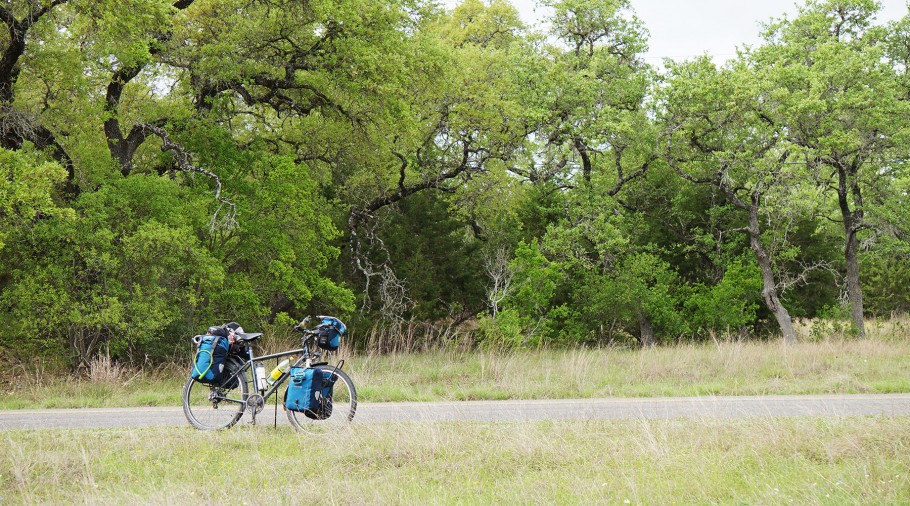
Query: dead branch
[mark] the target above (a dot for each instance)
(182, 162)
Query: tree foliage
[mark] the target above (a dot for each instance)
(166, 164)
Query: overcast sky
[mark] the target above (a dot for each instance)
(686, 28)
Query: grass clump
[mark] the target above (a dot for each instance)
(752, 461)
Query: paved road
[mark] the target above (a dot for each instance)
(650, 408)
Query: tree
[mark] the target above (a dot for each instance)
(839, 101)
(120, 276)
(716, 137)
(526, 314)
(594, 138)
(166, 163)
(594, 116)
(18, 123)
(176, 256)
(500, 277)
(465, 125)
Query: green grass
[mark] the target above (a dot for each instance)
(747, 461)
(873, 365)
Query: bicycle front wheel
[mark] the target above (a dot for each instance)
(343, 402)
(209, 407)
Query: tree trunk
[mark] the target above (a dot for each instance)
(854, 288)
(852, 219)
(9, 62)
(645, 330)
(769, 283)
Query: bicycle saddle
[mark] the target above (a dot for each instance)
(247, 337)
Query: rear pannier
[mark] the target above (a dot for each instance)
(209, 362)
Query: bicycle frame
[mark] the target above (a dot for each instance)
(249, 364)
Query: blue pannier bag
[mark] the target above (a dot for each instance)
(329, 333)
(209, 361)
(305, 391)
(325, 402)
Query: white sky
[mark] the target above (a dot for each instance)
(682, 29)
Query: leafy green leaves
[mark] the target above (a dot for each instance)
(385, 149)
(27, 187)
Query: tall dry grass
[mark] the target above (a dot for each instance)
(895, 328)
(830, 363)
(413, 337)
(731, 367)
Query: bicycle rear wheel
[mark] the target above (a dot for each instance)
(343, 406)
(209, 407)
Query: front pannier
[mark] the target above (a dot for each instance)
(305, 391)
(325, 403)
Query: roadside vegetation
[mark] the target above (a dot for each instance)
(838, 364)
(750, 461)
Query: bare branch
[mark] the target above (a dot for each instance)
(788, 281)
(496, 265)
(182, 161)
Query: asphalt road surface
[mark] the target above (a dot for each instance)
(499, 411)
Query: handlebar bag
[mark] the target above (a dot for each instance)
(209, 361)
(304, 392)
(329, 333)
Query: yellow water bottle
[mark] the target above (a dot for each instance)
(282, 368)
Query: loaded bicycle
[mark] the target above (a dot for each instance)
(228, 379)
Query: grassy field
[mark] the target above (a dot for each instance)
(767, 461)
(854, 460)
(878, 364)
(730, 368)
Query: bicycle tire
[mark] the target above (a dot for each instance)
(208, 407)
(344, 406)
